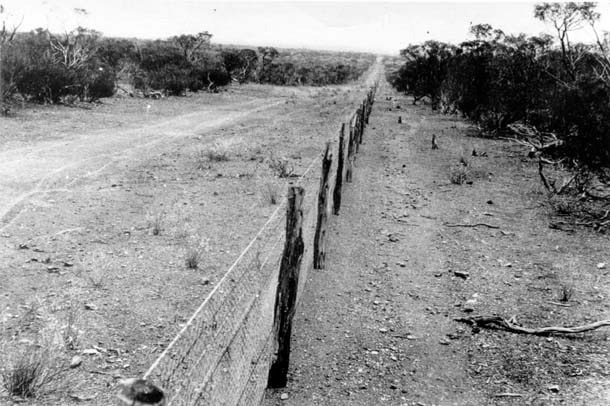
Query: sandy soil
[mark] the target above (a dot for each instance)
(378, 325)
(100, 206)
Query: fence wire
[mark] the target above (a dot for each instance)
(222, 354)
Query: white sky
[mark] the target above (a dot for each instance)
(383, 27)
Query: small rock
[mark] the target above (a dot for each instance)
(89, 306)
(468, 307)
(601, 265)
(490, 202)
(284, 396)
(383, 330)
(553, 388)
(461, 274)
(76, 361)
(91, 351)
(444, 341)
(410, 337)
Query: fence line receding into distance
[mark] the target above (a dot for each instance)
(224, 353)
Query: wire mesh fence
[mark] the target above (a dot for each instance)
(221, 356)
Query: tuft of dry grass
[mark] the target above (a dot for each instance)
(192, 258)
(155, 223)
(458, 174)
(270, 194)
(216, 155)
(281, 167)
(566, 292)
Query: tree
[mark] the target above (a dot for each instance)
(268, 54)
(566, 17)
(6, 37)
(192, 45)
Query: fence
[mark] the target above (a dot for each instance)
(234, 344)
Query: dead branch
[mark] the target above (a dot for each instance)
(508, 395)
(497, 322)
(471, 225)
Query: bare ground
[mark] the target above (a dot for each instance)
(377, 325)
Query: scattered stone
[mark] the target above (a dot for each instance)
(468, 307)
(444, 341)
(601, 265)
(76, 361)
(553, 388)
(284, 396)
(383, 330)
(461, 274)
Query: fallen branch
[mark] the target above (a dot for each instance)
(508, 395)
(471, 225)
(501, 323)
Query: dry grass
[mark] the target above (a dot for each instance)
(270, 194)
(155, 223)
(458, 174)
(281, 167)
(31, 371)
(192, 258)
(566, 292)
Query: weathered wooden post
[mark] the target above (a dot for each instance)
(357, 131)
(319, 239)
(362, 122)
(288, 284)
(339, 177)
(349, 165)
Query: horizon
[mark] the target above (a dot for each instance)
(373, 27)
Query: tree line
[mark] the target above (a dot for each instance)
(549, 86)
(43, 67)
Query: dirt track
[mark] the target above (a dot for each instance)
(56, 165)
(377, 326)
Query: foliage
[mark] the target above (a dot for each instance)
(496, 80)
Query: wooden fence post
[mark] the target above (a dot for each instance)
(288, 283)
(319, 239)
(362, 122)
(339, 177)
(349, 166)
(357, 130)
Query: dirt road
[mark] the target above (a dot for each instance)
(377, 325)
(57, 164)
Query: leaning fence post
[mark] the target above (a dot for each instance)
(319, 239)
(339, 177)
(288, 283)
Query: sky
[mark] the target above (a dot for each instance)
(372, 26)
